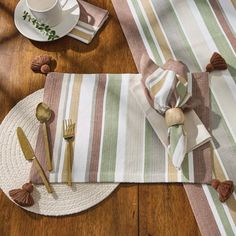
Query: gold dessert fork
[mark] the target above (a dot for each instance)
(68, 135)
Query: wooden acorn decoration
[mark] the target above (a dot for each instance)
(174, 116)
(225, 188)
(23, 196)
(42, 64)
(217, 62)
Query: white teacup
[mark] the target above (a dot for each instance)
(46, 11)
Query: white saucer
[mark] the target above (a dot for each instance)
(71, 14)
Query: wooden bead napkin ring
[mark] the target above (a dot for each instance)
(174, 116)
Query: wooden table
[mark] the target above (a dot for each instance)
(137, 209)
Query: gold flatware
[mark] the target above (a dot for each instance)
(69, 134)
(30, 156)
(43, 114)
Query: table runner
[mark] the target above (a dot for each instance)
(191, 31)
(114, 142)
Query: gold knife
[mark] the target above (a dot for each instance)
(30, 156)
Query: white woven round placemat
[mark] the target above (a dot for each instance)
(14, 169)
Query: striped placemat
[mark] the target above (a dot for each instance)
(191, 31)
(114, 142)
(91, 20)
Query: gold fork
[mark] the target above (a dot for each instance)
(68, 135)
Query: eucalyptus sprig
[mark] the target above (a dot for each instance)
(43, 28)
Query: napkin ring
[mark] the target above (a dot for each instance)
(174, 116)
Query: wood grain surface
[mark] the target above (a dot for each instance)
(139, 209)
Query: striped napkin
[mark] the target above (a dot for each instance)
(91, 20)
(169, 90)
(109, 146)
(196, 133)
(191, 30)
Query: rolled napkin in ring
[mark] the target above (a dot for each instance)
(170, 88)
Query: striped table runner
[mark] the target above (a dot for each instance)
(91, 20)
(191, 31)
(114, 142)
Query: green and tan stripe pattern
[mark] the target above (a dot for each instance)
(191, 30)
(114, 142)
(169, 90)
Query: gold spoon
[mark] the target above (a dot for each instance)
(43, 114)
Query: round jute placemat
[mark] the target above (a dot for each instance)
(14, 169)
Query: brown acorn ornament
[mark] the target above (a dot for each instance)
(23, 196)
(42, 64)
(217, 62)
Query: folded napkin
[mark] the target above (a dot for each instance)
(109, 146)
(91, 20)
(168, 91)
(195, 134)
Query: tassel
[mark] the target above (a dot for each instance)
(217, 62)
(23, 196)
(225, 188)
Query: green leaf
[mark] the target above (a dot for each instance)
(25, 15)
(29, 17)
(42, 27)
(52, 32)
(47, 28)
